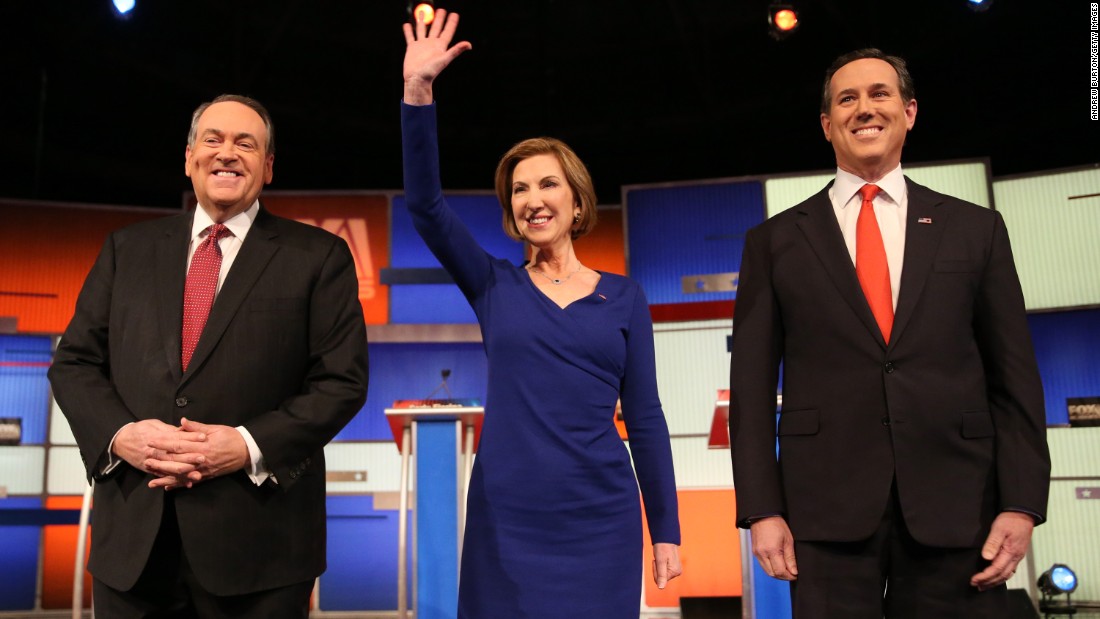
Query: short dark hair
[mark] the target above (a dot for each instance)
(576, 175)
(249, 102)
(905, 81)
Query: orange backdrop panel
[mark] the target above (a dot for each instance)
(361, 220)
(59, 555)
(710, 550)
(602, 249)
(46, 252)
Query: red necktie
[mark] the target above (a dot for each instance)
(198, 292)
(871, 266)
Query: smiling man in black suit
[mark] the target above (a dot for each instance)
(211, 357)
(912, 455)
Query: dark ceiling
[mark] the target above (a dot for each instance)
(97, 107)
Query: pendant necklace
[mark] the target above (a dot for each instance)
(555, 280)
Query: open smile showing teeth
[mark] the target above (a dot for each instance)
(226, 173)
(868, 131)
(541, 219)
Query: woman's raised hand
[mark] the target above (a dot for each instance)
(428, 51)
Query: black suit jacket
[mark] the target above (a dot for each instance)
(283, 354)
(952, 409)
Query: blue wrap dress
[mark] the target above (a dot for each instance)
(553, 525)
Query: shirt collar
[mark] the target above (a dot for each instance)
(892, 186)
(239, 224)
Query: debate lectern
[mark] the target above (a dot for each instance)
(719, 438)
(756, 595)
(440, 434)
(720, 424)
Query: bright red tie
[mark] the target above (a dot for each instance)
(198, 292)
(871, 266)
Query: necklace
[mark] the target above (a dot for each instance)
(555, 280)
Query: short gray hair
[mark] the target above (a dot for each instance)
(249, 102)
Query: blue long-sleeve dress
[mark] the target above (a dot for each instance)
(553, 526)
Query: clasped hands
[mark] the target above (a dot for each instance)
(181, 456)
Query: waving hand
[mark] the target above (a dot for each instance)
(427, 52)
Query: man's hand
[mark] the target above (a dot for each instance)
(666, 563)
(773, 547)
(223, 451)
(133, 443)
(1005, 547)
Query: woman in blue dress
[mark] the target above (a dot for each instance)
(553, 526)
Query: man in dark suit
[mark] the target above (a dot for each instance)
(912, 454)
(211, 357)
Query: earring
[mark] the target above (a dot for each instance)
(577, 218)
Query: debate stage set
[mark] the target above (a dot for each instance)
(397, 472)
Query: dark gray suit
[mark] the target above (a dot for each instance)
(952, 409)
(283, 354)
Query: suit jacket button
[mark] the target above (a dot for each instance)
(889, 367)
(182, 401)
(885, 421)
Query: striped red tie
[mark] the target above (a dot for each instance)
(198, 292)
(871, 266)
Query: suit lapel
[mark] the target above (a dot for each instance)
(171, 266)
(924, 228)
(253, 257)
(822, 230)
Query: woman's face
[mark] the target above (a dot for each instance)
(542, 202)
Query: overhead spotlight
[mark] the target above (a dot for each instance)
(782, 20)
(424, 9)
(1058, 580)
(979, 6)
(124, 6)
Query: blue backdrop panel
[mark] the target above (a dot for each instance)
(362, 556)
(19, 558)
(24, 390)
(412, 371)
(436, 453)
(1067, 347)
(772, 597)
(442, 303)
(689, 230)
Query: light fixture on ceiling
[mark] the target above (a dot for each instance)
(782, 20)
(423, 9)
(979, 6)
(123, 7)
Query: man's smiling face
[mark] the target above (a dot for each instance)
(867, 119)
(229, 163)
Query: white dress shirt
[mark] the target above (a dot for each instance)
(230, 245)
(891, 205)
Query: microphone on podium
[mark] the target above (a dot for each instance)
(445, 373)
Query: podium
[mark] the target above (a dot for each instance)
(759, 593)
(720, 423)
(443, 436)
